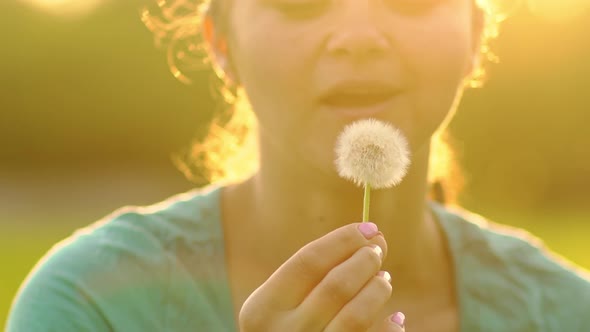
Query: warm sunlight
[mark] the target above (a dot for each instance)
(65, 7)
(558, 10)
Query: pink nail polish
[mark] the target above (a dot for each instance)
(398, 318)
(368, 229)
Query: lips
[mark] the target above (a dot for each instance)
(359, 99)
(355, 99)
(357, 94)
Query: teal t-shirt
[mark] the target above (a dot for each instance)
(162, 268)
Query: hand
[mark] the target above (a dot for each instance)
(331, 284)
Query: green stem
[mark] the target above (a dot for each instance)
(366, 202)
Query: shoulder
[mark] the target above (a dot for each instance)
(513, 272)
(190, 216)
(120, 269)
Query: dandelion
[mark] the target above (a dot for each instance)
(372, 154)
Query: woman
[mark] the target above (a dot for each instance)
(280, 250)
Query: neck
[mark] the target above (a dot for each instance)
(287, 207)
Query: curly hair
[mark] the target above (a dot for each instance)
(177, 25)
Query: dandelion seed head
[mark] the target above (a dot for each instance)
(373, 152)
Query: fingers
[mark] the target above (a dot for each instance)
(361, 312)
(301, 273)
(396, 322)
(353, 278)
(393, 323)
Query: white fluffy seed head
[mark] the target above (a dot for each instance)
(373, 152)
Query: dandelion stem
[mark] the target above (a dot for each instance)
(366, 202)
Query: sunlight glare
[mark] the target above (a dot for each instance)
(559, 10)
(65, 7)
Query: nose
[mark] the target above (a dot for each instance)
(357, 36)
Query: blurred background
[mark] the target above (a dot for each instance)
(90, 116)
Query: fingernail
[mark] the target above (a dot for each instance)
(368, 229)
(377, 249)
(398, 318)
(385, 275)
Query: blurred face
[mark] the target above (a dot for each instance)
(309, 67)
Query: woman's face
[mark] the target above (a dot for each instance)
(309, 67)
